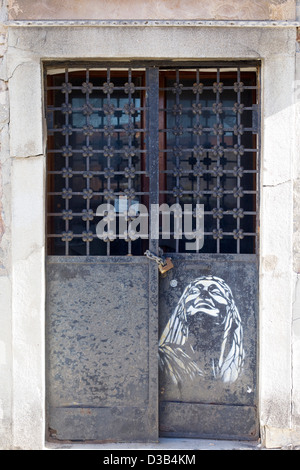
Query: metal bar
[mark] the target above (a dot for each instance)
(218, 155)
(142, 64)
(87, 166)
(67, 163)
(152, 82)
(238, 157)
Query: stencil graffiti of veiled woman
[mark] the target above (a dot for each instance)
(204, 336)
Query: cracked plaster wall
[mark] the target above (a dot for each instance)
(296, 245)
(5, 247)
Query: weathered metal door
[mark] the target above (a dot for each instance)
(102, 296)
(129, 144)
(209, 301)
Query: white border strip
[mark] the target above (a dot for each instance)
(153, 23)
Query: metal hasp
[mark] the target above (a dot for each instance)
(135, 348)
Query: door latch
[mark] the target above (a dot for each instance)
(164, 264)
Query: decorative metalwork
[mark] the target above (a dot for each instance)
(96, 147)
(98, 152)
(211, 153)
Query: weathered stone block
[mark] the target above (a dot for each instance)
(26, 137)
(153, 9)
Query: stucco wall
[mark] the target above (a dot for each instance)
(296, 266)
(153, 9)
(22, 165)
(5, 246)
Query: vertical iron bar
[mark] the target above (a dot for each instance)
(108, 145)
(87, 159)
(198, 153)
(177, 144)
(67, 206)
(129, 244)
(218, 157)
(152, 84)
(238, 224)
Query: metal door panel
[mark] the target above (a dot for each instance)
(208, 346)
(102, 372)
(223, 421)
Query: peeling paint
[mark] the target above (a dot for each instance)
(2, 353)
(1, 227)
(282, 9)
(285, 438)
(269, 263)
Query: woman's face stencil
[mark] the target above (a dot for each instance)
(206, 297)
(205, 319)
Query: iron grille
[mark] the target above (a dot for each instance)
(96, 142)
(103, 132)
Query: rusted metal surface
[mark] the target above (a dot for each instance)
(183, 419)
(101, 349)
(208, 347)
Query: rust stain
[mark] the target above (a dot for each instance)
(52, 433)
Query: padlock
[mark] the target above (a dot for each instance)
(163, 268)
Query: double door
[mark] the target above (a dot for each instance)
(151, 165)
